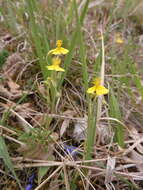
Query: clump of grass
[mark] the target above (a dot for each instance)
(3, 56)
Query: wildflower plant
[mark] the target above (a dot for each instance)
(95, 91)
(118, 38)
(55, 67)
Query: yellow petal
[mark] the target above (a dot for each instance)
(64, 51)
(55, 68)
(60, 69)
(101, 90)
(56, 61)
(59, 43)
(58, 51)
(97, 82)
(52, 51)
(91, 90)
(51, 67)
(119, 41)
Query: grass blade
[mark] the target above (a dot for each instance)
(115, 113)
(5, 156)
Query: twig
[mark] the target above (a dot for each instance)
(8, 130)
(14, 140)
(66, 178)
(44, 182)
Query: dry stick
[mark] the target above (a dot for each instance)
(91, 168)
(85, 177)
(84, 186)
(38, 165)
(102, 73)
(28, 125)
(22, 119)
(55, 164)
(3, 172)
(129, 175)
(133, 146)
(32, 160)
(90, 161)
(88, 176)
(118, 121)
(44, 182)
(66, 178)
(8, 130)
(67, 117)
(12, 139)
(132, 161)
(67, 162)
(122, 167)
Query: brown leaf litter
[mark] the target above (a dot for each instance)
(13, 66)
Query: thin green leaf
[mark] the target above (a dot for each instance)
(6, 158)
(115, 113)
(41, 172)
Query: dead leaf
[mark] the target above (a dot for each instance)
(138, 137)
(42, 89)
(109, 173)
(13, 66)
(79, 132)
(11, 90)
(22, 112)
(134, 155)
(66, 122)
(4, 40)
(5, 93)
(37, 151)
(25, 110)
(12, 85)
(64, 126)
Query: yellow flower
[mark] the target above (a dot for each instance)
(118, 39)
(59, 50)
(100, 36)
(56, 65)
(97, 89)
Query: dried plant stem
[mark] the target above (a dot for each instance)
(44, 182)
(66, 178)
(8, 130)
(102, 73)
(14, 140)
(82, 174)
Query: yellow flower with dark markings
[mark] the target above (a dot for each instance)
(59, 50)
(119, 39)
(56, 61)
(97, 89)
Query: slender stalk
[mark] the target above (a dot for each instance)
(91, 129)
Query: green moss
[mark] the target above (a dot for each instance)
(3, 55)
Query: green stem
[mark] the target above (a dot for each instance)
(91, 130)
